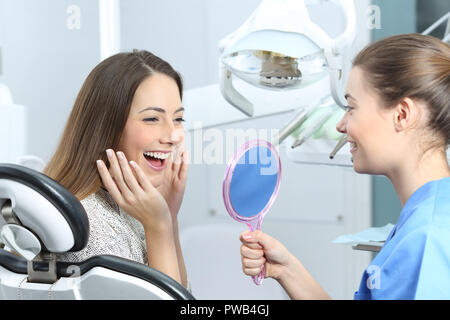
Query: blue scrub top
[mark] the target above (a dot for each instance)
(414, 262)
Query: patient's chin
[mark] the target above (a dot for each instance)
(155, 180)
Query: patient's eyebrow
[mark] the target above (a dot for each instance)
(158, 109)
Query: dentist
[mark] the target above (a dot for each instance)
(398, 124)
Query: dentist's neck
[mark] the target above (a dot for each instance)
(414, 172)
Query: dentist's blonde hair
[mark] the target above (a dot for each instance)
(415, 66)
(98, 118)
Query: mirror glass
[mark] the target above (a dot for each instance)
(251, 184)
(253, 181)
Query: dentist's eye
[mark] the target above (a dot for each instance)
(180, 120)
(348, 108)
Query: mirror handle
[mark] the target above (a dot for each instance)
(255, 224)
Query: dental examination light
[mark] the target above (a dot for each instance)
(280, 48)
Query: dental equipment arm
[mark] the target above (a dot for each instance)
(334, 52)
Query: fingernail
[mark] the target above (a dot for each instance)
(99, 163)
(133, 164)
(109, 152)
(120, 155)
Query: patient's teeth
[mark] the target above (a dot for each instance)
(158, 155)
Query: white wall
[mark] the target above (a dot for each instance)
(45, 63)
(185, 33)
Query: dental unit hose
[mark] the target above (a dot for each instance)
(310, 130)
(290, 127)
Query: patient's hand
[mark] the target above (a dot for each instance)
(135, 195)
(174, 182)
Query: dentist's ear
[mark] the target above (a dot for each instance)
(407, 114)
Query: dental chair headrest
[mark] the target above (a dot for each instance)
(44, 207)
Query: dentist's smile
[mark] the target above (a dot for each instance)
(352, 146)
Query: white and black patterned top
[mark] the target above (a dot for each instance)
(111, 232)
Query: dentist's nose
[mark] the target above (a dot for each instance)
(341, 125)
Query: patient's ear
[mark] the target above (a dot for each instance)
(407, 114)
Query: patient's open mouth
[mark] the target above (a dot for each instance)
(156, 159)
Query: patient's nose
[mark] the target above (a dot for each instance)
(172, 135)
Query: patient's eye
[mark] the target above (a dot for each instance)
(151, 119)
(180, 120)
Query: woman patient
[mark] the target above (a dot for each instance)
(121, 154)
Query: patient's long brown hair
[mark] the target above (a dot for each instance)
(98, 118)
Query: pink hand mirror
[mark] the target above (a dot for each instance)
(251, 184)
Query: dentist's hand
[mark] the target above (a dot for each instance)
(174, 182)
(260, 249)
(137, 197)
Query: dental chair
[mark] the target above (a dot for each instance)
(40, 218)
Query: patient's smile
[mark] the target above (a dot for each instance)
(157, 159)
